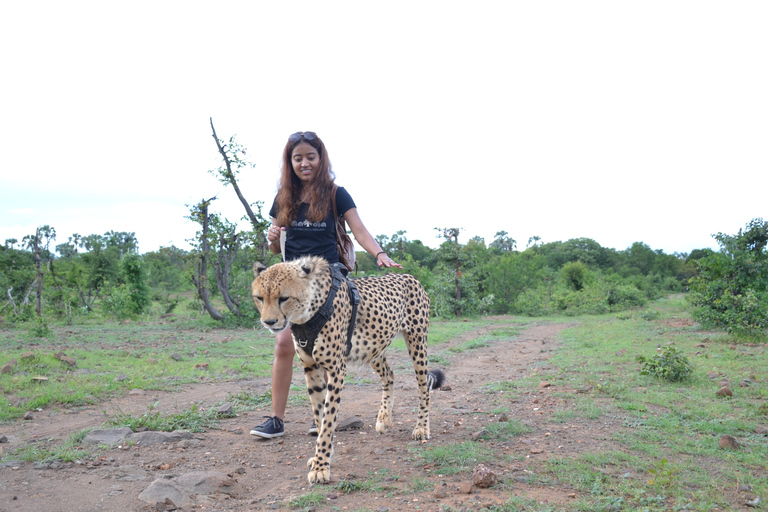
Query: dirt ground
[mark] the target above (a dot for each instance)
(272, 472)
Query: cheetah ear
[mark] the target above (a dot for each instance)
(258, 268)
(307, 266)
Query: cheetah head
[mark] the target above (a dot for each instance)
(283, 292)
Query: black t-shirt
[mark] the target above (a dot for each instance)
(305, 238)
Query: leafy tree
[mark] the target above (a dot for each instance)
(731, 288)
(503, 243)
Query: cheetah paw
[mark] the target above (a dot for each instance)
(420, 434)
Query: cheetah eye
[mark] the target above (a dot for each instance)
(282, 300)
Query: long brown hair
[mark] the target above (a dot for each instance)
(289, 187)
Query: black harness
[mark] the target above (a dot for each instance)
(306, 334)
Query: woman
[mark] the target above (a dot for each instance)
(303, 209)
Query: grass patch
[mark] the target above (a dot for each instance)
(192, 420)
(454, 458)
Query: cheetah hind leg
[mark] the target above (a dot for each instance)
(434, 379)
(384, 419)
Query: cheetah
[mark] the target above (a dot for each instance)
(295, 294)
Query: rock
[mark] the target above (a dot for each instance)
(27, 416)
(440, 492)
(745, 383)
(752, 501)
(3, 439)
(8, 367)
(713, 375)
(744, 488)
(26, 356)
(725, 383)
(39, 380)
(503, 417)
(465, 487)
(121, 378)
(761, 429)
(209, 482)
(152, 360)
(163, 489)
(349, 424)
(727, 442)
(724, 391)
(544, 384)
(154, 437)
(483, 477)
(478, 435)
(176, 357)
(224, 410)
(201, 366)
(68, 360)
(107, 436)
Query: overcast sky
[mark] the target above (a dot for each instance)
(616, 121)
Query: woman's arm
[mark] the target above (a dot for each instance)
(273, 236)
(366, 241)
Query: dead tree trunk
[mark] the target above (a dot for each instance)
(201, 279)
(228, 247)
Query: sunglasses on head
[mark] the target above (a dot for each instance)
(302, 135)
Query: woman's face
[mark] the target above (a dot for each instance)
(305, 161)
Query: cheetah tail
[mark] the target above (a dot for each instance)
(435, 379)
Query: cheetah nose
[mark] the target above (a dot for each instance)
(269, 323)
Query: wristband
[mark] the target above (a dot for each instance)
(380, 253)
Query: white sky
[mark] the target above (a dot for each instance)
(611, 120)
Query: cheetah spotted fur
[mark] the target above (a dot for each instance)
(291, 293)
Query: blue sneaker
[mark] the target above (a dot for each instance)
(272, 427)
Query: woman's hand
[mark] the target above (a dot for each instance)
(273, 234)
(383, 260)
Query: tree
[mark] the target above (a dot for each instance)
(503, 243)
(38, 244)
(731, 288)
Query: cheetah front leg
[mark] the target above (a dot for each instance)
(320, 464)
(384, 419)
(418, 351)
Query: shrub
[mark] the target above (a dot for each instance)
(669, 365)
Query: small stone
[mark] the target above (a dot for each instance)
(240, 471)
(725, 383)
(465, 487)
(745, 488)
(483, 477)
(440, 492)
(503, 417)
(27, 416)
(762, 430)
(478, 435)
(224, 410)
(26, 356)
(745, 383)
(68, 360)
(724, 391)
(137, 391)
(176, 357)
(727, 442)
(349, 424)
(151, 360)
(544, 384)
(121, 378)
(752, 501)
(201, 366)
(3, 439)
(713, 375)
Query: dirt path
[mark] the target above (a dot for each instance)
(270, 472)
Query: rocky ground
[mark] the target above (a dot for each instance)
(227, 469)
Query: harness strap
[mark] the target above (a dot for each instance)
(306, 333)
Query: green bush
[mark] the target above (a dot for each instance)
(668, 365)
